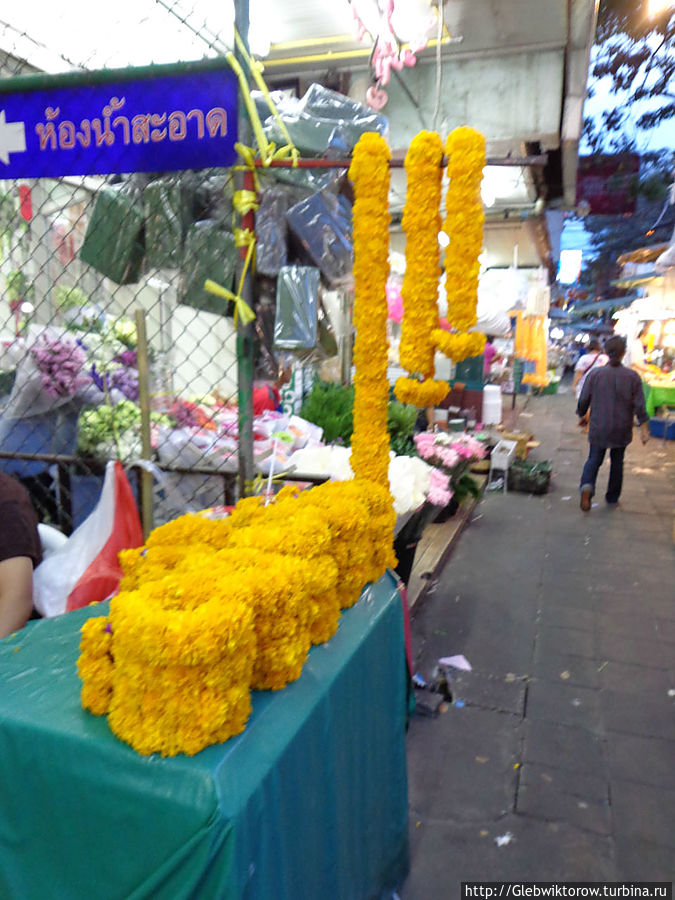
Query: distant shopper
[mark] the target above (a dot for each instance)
(635, 356)
(592, 358)
(614, 394)
(267, 394)
(488, 354)
(20, 552)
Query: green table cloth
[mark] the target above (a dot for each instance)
(657, 395)
(309, 802)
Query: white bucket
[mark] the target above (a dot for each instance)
(492, 404)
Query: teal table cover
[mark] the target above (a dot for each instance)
(308, 803)
(657, 395)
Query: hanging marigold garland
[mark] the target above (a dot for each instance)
(421, 224)
(465, 149)
(369, 173)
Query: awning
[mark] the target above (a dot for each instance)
(602, 306)
(642, 254)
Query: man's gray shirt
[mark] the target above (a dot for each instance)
(614, 394)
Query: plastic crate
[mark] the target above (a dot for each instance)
(662, 428)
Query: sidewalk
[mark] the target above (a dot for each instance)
(556, 758)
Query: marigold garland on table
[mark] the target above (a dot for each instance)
(465, 149)
(421, 224)
(369, 173)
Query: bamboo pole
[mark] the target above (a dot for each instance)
(144, 403)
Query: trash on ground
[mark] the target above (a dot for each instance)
(419, 681)
(481, 759)
(576, 702)
(565, 675)
(600, 668)
(457, 662)
(497, 484)
(460, 703)
(671, 692)
(503, 839)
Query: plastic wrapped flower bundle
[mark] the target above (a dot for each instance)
(183, 650)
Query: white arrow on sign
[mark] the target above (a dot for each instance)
(12, 138)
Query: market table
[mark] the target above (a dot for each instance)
(309, 802)
(658, 395)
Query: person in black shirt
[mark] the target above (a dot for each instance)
(614, 394)
(20, 552)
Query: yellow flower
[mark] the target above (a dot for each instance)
(369, 173)
(421, 393)
(465, 149)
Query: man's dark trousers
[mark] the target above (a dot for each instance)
(590, 473)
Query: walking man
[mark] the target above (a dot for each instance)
(614, 394)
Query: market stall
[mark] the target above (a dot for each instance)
(311, 800)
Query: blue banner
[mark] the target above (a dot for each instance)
(153, 123)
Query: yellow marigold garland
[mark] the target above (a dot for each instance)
(421, 223)
(421, 393)
(369, 173)
(465, 149)
(459, 346)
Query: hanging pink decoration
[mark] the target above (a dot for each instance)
(389, 52)
(394, 300)
(376, 97)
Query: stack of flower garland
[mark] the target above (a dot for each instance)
(465, 149)
(210, 608)
(421, 224)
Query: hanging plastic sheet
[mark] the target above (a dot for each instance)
(168, 212)
(113, 243)
(323, 224)
(295, 324)
(209, 254)
(271, 231)
(322, 117)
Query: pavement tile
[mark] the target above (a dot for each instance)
(568, 704)
(665, 629)
(444, 854)
(575, 617)
(563, 746)
(646, 760)
(557, 795)
(461, 764)
(551, 639)
(569, 669)
(637, 624)
(639, 860)
(496, 692)
(633, 679)
(639, 715)
(638, 651)
(643, 812)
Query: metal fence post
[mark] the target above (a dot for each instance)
(245, 181)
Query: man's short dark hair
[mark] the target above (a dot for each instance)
(615, 347)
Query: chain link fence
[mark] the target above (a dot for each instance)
(80, 258)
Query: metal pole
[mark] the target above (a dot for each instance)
(144, 403)
(244, 181)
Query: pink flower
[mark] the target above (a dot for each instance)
(440, 492)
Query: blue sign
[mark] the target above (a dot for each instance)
(150, 123)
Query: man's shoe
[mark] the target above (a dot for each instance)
(586, 495)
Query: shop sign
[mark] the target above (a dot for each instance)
(161, 118)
